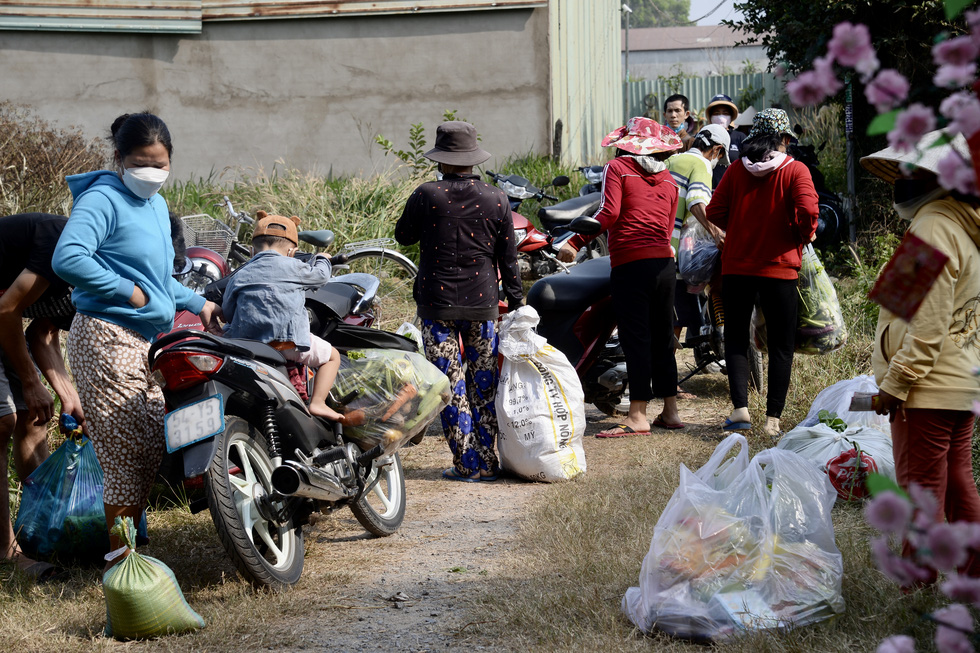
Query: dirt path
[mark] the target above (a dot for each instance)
(414, 591)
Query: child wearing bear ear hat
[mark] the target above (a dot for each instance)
(266, 301)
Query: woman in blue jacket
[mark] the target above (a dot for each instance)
(116, 251)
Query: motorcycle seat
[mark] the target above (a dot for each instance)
(564, 212)
(257, 350)
(584, 285)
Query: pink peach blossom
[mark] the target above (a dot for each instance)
(950, 76)
(976, 407)
(957, 174)
(889, 513)
(850, 44)
(973, 20)
(896, 644)
(780, 71)
(910, 126)
(962, 109)
(887, 90)
(957, 51)
(806, 90)
(824, 69)
(867, 66)
(962, 588)
(969, 533)
(956, 624)
(947, 551)
(902, 571)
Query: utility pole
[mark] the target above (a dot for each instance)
(626, 72)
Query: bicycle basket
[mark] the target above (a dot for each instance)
(201, 230)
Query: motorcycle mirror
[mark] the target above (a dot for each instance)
(561, 180)
(586, 225)
(798, 129)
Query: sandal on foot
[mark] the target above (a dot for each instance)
(42, 572)
(452, 475)
(729, 425)
(623, 431)
(661, 424)
(486, 478)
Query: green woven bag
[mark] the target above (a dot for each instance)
(142, 598)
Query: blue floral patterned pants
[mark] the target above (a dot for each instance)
(470, 419)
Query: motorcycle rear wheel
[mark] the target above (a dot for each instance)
(396, 272)
(266, 553)
(756, 371)
(382, 509)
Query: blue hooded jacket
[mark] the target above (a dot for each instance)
(113, 240)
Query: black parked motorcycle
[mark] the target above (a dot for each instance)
(236, 419)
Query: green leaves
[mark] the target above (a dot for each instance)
(955, 7)
(878, 483)
(883, 123)
(832, 420)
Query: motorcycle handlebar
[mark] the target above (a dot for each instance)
(549, 197)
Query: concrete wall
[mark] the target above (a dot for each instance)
(311, 92)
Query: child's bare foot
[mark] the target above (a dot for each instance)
(320, 409)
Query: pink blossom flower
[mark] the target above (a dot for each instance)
(910, 126)
(947, 550)
(889, 513)
(950, 76)
(897, 644)
(806, 90)
(867, 66)
(887, 90)
(963, 111)
(973, 20)
(927, 507)
(780, 70)
(958, 51)
(976, 407)
(956, 174)
(955, 625)
(824, 69)
(962, 588)
(850, 44)
(902, 571)
(969, 533)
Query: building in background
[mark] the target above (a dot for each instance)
(312, 83)
(695, 51)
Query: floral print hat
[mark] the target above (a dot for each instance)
(643, 136)
(771, 121)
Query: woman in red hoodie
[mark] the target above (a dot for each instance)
(639, 202)
(767, 206)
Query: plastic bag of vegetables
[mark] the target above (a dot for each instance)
(741, 545)
(61, 514)
(388, 396)
(697, 254)
(820, 323)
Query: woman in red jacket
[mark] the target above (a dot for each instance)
(767, 206)
(639, 202)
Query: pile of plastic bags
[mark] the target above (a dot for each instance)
(387, 397)
(741, 545)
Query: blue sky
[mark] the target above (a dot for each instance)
(701, 7)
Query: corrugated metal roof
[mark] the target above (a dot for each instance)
(102, 15)
(683, 38)
(245, 9)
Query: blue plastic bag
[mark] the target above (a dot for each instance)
(61, 512)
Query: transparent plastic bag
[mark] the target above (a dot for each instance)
(820, 323)
(388, 396)
(409, 330)
(61, 515)
(741, 545)
(837, 399)
(822, 445)
(697, 254)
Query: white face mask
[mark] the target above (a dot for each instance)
(714, 163)
(907, 210)
(144, 182)
(721, 119)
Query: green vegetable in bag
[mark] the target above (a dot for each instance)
(142, 596)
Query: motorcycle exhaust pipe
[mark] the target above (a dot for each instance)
(296, 479)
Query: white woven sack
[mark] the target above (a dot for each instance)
(540, 404)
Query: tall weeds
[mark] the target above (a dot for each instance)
(35, 158)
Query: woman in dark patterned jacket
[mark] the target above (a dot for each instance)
(466, 236)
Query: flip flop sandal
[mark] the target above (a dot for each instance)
(624, 430)
(452, 475)
(42, 572)
(661, 424)
(729, 425)
(490, 477)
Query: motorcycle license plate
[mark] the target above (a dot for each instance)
(193, 423)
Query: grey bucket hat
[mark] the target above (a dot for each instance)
(456, 145)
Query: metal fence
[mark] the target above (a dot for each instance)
(760, 90)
